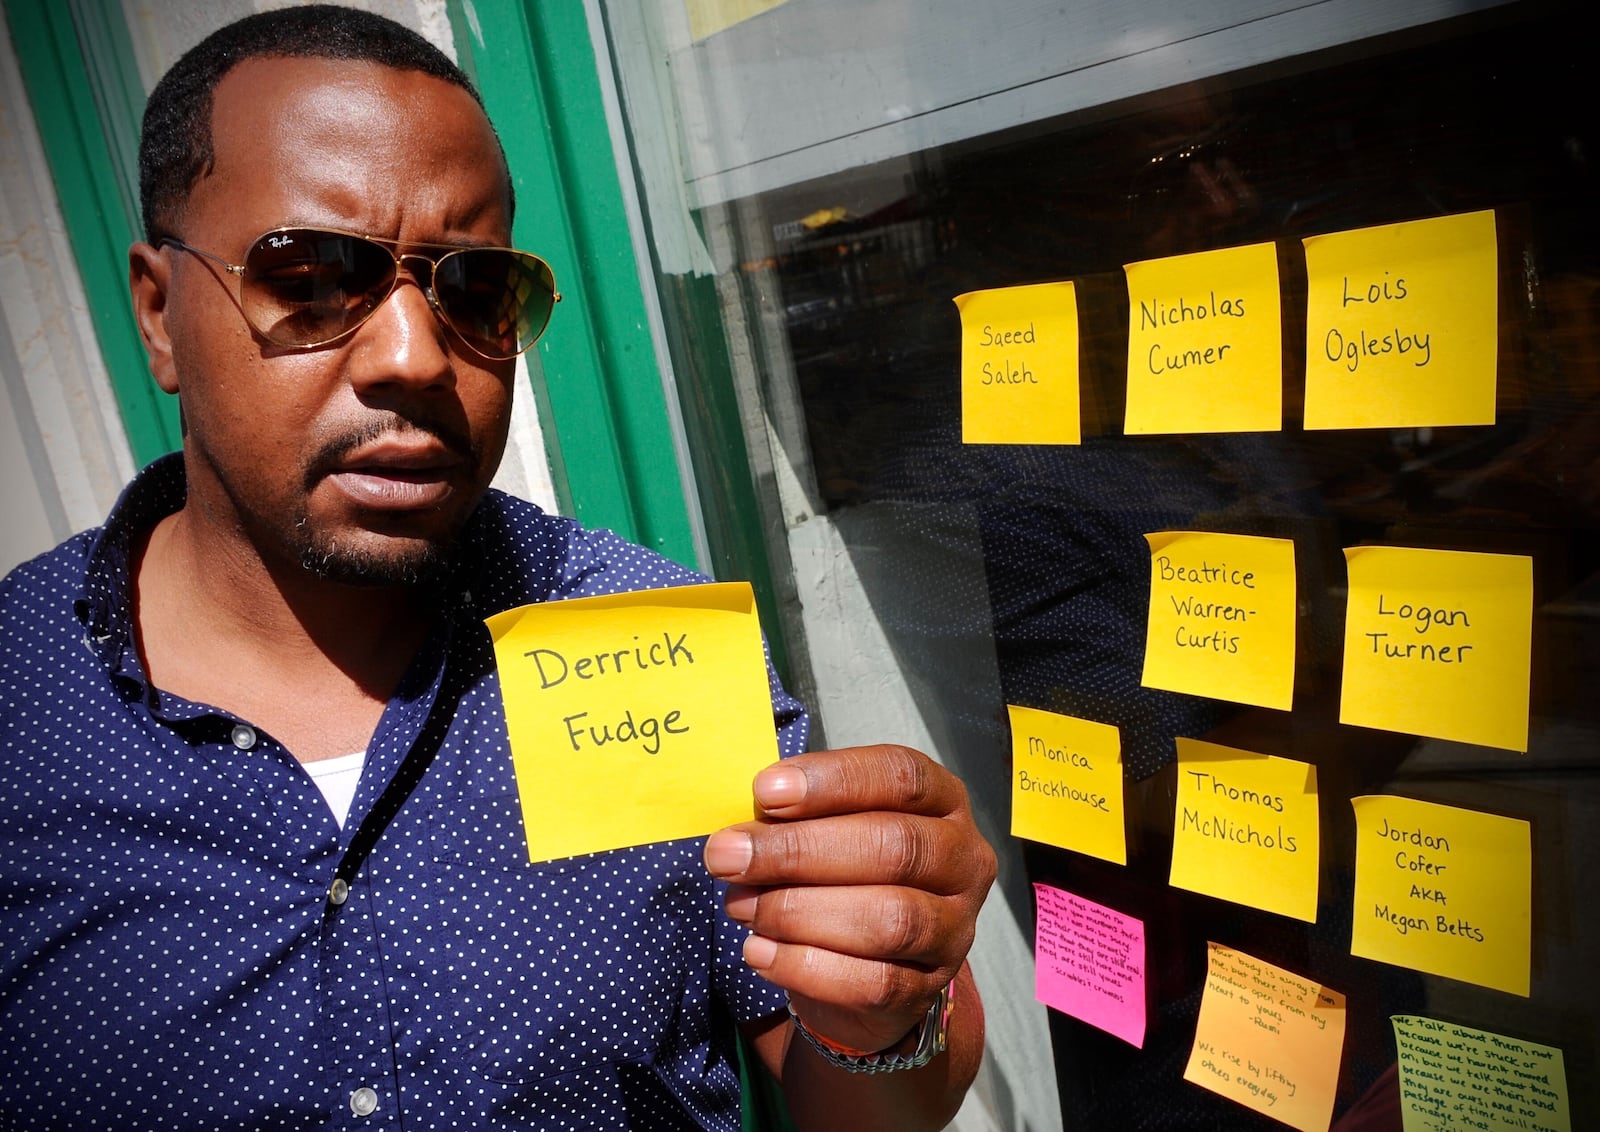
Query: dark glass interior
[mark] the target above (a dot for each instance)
(1489, 113)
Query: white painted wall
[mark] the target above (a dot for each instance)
(162, 30)
(63, 453)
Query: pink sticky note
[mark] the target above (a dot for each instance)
(1089, 963)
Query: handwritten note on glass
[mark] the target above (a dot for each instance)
(1401, 326)
(1205, 343)
(1268, 1039)
(1222, 617)
(1019, 365)
(1454, 1077)
(1245, 828)
(1066, 783)
(1089, 963)
(1443, 890)
(1438, 642)
(634, 718)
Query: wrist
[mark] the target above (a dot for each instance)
(920, 1045)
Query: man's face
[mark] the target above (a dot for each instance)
(361, 459)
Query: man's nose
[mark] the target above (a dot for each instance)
(403, 343)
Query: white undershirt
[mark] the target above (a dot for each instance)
(337, 779)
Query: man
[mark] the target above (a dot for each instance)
(188, 938)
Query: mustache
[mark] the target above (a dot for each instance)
(334, 449)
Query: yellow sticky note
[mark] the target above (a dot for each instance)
(1457, 1077)
(636, 717)
(1222, 611)
(1246, 828)
(1019, 365)
(1401, 324)
(1205, 342)
(707, 17)
(1443, 890)
(1438, 642)
(1066, 783)
(1268, 1039)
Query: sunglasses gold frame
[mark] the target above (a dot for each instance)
(238, 271)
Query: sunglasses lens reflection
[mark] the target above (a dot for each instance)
(304, 287)
(498, 300)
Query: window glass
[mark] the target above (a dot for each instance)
(935, 582)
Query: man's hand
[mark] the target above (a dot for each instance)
(861, 882)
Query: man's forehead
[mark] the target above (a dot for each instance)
(288, 126)
(296, 89)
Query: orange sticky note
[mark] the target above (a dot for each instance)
(1444, 890)
(1222, 617)
(1401, 324)
(1268, 1039)
(1205, 342)
(635, 717)
(1019, 365)
(1246, 828)
(1439, 642)
(1066, 783)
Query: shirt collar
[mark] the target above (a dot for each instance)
(105, 599)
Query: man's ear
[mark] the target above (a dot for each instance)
(149, 273)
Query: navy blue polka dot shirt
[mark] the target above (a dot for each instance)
(189, 940)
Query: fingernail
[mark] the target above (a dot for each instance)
(759, 952)
(728, 852)
(780, 786)
(741, 904)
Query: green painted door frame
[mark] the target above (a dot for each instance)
(602, 398)
(536, 70)
(603, 401)
(89, 126)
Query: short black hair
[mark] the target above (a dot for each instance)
(175, 142)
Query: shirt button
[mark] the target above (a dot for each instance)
(363, 1102)
(338, 893)
(244, 737)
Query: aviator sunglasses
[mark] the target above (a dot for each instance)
(305, 287)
